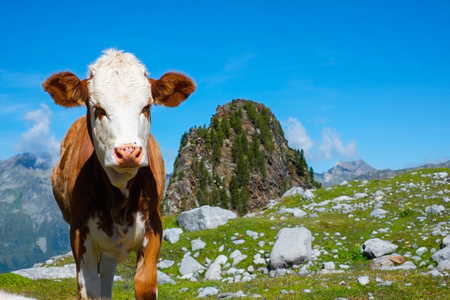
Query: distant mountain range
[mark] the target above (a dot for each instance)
(360, 170)
(31, 225)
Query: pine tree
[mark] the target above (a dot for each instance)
(242, 171)
(236, 149)
(234, 192)
(243, 201)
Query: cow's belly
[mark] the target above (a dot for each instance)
(124, 239)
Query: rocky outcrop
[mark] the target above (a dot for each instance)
(239, 162)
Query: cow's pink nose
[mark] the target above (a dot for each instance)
(128, 156)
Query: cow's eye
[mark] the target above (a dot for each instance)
(146, 111)
(99, 112)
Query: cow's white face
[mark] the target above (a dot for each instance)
(118, 95)
(119, 111)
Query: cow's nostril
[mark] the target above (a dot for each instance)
(118, 154)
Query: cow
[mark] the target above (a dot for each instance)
(110, 178)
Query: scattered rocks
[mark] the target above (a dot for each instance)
(238, 294)
(166, 263)
(378, 213)
(197, 244)
(443, 254)
(435, 209)
(363, 280)
(408, 265)
(207, 291)
(445, 241)
(386, 261)
(308, 195)
(444, 265)
(376, 247)
(172, 235)
(9, 296)
(293, 246)
(214, 272)
(164, 278)
(205, 217)
(189, 265)
(237, 257)
(296, 190)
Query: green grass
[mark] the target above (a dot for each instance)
(354, 227)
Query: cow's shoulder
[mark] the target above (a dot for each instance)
(156, 164)
(76, 149)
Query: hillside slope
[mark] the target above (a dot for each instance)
(243, 155)
(340, 219)
(31, 225)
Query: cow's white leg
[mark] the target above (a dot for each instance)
(107, 269)
(88, 278)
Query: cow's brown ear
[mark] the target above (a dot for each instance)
(66, 89)
(171, 89)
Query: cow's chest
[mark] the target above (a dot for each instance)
(117, 240)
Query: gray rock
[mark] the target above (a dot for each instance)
(421, 251)
(197, 244)
(66, 271)
(296, 190)
(164, 278)
(165, 264)
(378, 213)
(444, 265)
(376, 247)
(214, 272)
(443, 254)
(205, 217)
(238, 294)
(172, 235)
(409, 265)
(293, 246)
(207, 291)
(360, 196)
(237, 257)
(434, 209)
(8, 296)
(445, 241)
(221, 259)
(386, 261)
(308, 195)
(363, 280)
(189, 265)
(329, 265)
(252, 234)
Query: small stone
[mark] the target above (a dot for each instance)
(363, 280)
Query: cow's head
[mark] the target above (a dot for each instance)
(118, 95)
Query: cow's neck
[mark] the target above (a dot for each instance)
(120, 180)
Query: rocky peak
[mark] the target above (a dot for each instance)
(239, 162)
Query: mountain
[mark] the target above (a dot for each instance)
(31, 225)
(388, 173)
(344, 170)
(239, 162)
(360, 170)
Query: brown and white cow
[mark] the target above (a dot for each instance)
(110, 179)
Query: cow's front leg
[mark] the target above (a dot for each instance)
(86, 261)
(145, 281)
(107, 268)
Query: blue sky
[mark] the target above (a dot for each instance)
(347, 79)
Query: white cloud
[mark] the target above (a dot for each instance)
(333, 146)
(330, 147)
(297, 136)
(38, 139)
